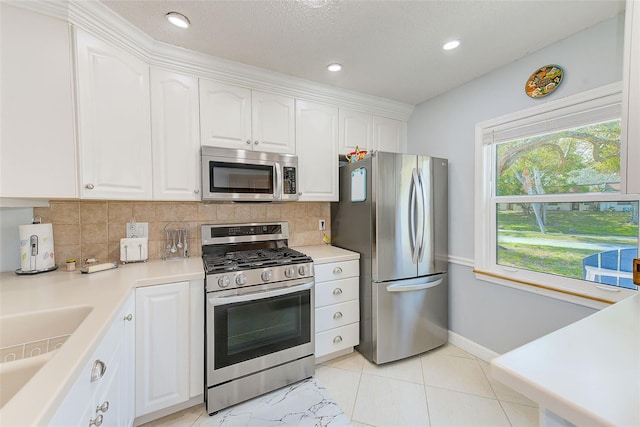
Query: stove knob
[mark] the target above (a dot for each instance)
(224, 281)
(302, 270)
(241, 279)
(289, 272)
(266, 275)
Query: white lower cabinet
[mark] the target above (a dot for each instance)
(169, 346)
(337, 315)
(103, 394)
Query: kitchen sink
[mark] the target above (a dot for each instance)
(29, 340)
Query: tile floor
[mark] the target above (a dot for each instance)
(444, 387)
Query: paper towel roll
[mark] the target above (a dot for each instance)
(36, 247)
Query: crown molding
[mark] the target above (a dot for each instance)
(96, 18)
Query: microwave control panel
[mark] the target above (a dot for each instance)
(289, 180)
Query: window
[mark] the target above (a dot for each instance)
(549, 210)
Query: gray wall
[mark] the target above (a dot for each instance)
(10, 219)
(497, 317)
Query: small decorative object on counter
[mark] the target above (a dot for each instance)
(176, 244)
(95, 267)
(71, 264)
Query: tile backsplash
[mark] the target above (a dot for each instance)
(93, 229)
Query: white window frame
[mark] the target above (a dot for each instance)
(486, 268)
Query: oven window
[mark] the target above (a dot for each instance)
(252, 329)
(240, 178)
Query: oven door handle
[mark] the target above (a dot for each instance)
(252, 296)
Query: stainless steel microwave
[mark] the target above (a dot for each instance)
(241, 175)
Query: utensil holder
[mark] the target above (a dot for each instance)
(176, 241)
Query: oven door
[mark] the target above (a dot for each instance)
(249, 330)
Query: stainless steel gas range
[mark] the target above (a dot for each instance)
(259, 322)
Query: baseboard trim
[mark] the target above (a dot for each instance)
(472, 347)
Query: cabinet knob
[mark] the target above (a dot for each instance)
(97, 421)
(337, 270)
(89, 186)
(337, 315)
(128, 317)
(255, 142)
(248, 142)
(337, 340)
(103, 408)
(98, 370)
(196, 191)
(337, 291)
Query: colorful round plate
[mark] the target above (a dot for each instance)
(544, 81)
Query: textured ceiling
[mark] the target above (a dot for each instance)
(390, 49)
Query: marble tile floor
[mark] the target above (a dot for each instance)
(444, 387)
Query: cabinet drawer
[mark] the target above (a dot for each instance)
(333, 316)
(337, 339)
(337, 291)
(336, 270)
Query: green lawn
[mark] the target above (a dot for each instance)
(565, 229)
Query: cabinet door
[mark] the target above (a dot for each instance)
(114, 121)
(317, 148)
(162, 346)
(175, 136)
(196, 318)
(225, 115)
(273, 122)
(356, 129)
(388, 134)
(37, 148)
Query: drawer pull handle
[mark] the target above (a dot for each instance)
(337, 291)
(128, 317)
(97, 421)
(103, 408)
(337, 270)
(337, 315)
(89, 186)
(98, 370)
(337, 340)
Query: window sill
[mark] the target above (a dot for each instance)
(597, 299)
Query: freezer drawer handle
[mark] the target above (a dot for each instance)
(408, 288)
(337, 270)
(337, 291)
(337, 315)
(337, 340)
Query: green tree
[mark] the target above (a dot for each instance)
(585, 159)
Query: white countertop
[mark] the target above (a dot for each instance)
(587, 373)
(324, 254)
(105, 292)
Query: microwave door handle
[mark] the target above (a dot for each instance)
(278, 184)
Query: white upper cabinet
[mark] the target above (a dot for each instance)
(388, 134)
(317, 149)
(356, 130)
(369, 132)
(113, 121)
(175, 136)
(38, 146)
(631, 93)
(236, 117)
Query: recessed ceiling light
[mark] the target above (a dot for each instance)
(178, 19)
(451, 45)
(334, 67)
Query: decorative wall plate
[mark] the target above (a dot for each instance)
(544, 81)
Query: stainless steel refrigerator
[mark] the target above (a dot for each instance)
(393, 211)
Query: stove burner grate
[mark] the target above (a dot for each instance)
(245, 260)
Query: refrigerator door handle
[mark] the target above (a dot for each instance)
(409, 288)
(413, 234)
(421, 224)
